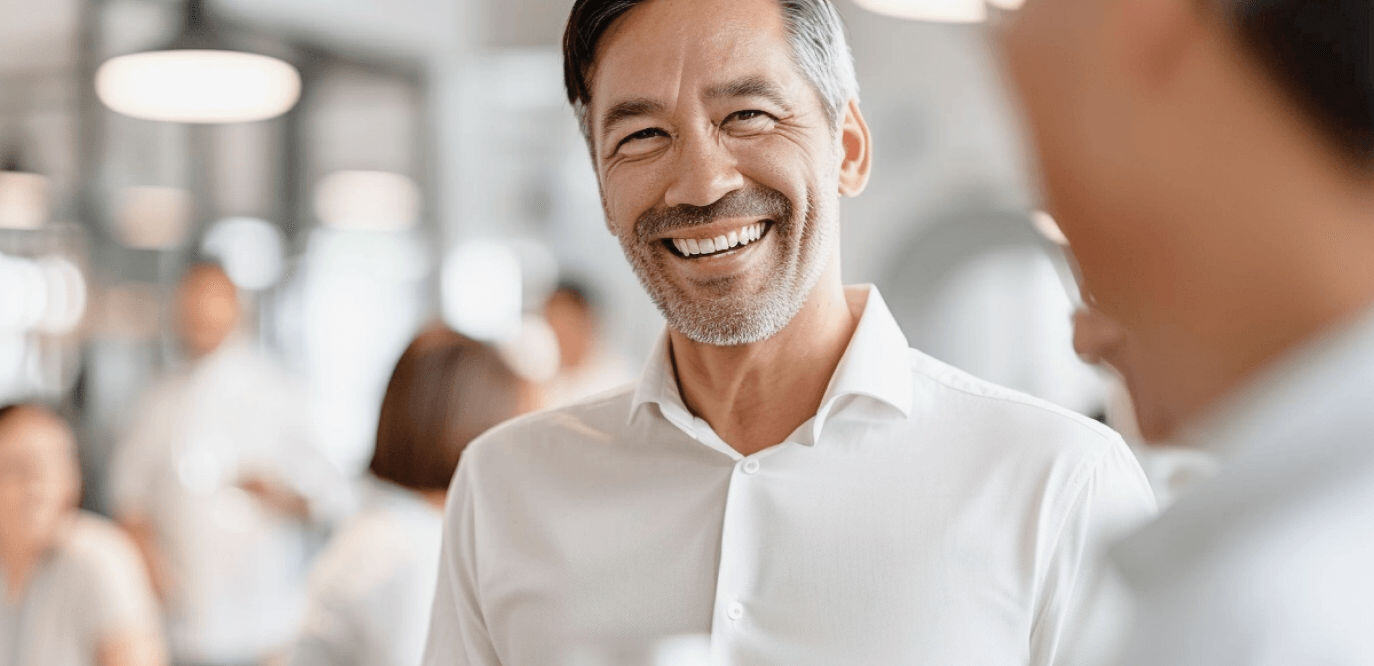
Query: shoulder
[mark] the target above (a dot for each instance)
(1000, 414)
(378, 548)
(98, 551)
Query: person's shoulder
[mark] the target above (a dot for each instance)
(981, 403)
(92, 542)
(597, 418)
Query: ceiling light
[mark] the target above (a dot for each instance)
(939, 11)
(24, 200)
(198, 78)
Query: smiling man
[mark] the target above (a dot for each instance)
(788, 478)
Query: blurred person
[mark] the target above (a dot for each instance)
(371, 590)
(788, 477)
(219, 480)
(72, 588)
(586, 366)
(1172, 470)
(1212, 166)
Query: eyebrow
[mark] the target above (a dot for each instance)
(750, 86)
(622, 111)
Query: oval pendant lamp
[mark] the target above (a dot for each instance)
(198, 78)
(939, 11)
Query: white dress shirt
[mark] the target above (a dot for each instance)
(89, 588)
(237, 568)
(921, 517)
(372, 588)
(1270, 563)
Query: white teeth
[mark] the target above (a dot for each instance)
(740, 237)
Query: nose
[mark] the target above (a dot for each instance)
(1096, 337)
(705, 171)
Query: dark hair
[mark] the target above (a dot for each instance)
(814, 29)
(1319, 50)
(445, 391)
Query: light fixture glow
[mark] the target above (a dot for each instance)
(198, 86)
(367, 200)
(153, 218)
(1044, 224)
(480, 290)
(23, 200)
(938, 11)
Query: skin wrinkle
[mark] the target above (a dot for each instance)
(718, 151)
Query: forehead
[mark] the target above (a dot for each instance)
(33, 436)
(662, 49)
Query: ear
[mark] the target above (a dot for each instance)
(858, 151)
(1154, 37)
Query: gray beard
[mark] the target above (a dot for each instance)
(731, 318)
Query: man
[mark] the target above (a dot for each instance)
(787, 478)
(1211, 164)
(72, 588)
(585, 366)
(220, 483)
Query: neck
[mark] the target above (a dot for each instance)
(1284, 247)
(17, 562)
(755, 395)
(435, 498)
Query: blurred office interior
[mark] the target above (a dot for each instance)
(429, 168)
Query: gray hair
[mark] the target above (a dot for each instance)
(814, 29)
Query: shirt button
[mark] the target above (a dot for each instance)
(736, 611)
(751, 466)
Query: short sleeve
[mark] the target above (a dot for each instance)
(1083, 608)
(458, 634)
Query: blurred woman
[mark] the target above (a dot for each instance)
(371, 590)
(73, 590)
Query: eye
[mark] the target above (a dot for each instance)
(748, 121)
(641, 142)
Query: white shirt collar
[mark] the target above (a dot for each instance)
(874, 366)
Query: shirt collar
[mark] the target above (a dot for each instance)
(874, 366)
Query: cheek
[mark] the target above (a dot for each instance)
(628, 192)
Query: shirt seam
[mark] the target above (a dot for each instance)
(1085, 471)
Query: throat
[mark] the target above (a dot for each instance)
(755, 396)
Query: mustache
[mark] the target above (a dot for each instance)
(753, 202)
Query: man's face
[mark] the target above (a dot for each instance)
(207, 309)
(39, 483)
(718, 164)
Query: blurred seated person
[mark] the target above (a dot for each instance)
(72, 589)
(220, 483)
(1100, 340)
(585, 365)
(372, 588)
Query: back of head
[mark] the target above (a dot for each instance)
(444, 392)
(1320, 52)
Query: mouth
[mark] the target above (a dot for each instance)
(690, 247)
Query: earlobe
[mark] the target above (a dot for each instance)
(858, 151)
